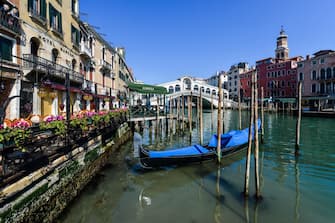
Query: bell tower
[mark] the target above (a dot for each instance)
(282, 46)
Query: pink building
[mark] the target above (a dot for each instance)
(317, 74)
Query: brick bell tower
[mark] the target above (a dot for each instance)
(282, 46)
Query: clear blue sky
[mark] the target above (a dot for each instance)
(165, 39)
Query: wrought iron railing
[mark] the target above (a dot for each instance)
(38, 63)
(10, 22)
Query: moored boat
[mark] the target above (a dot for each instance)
(231, 143)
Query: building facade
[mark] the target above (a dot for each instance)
(277, 76)
(317, 75)
(233, 83)
(10, 49)
(46, 49)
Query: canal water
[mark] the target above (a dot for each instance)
(294, 189)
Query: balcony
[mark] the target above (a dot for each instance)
(10, 23)
(36, 63)
(37, 17)
(105, 66)
(85, 50)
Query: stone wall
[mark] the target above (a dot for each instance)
(47, 198)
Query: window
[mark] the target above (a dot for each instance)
(74, 6)
(55, 19)
(322, 74)
(208, 91)
(301, 76)
(334, 72)
(177, 88)
(75, 36)
(322, 60)
(196, 88)
(171, 89)
(300, 65)
(283, 83)
(313, 75)
(313, 88)
(329, 73)
(6, 49)
(38, 9)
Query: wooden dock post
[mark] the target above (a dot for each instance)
(178, 113)
(183, 111)
(239, 111)
(212, 113)
(256, 152)
(262, 115)
(218, 150)
(297, 134)
(191, 115)
(200, 120)
(247, 166)
(223, 111)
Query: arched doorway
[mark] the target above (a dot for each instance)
(34, 46)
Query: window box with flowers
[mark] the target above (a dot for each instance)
(16, 134)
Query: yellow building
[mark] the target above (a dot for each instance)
(51, 50)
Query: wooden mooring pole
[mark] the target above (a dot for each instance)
(247, 166)
(212, 113)
(200, 120)
(183, 111)
(297, 134)
(218, 150)
(239, 111)
(256, 152)
(262, 115)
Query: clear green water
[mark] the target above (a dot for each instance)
(293, 190)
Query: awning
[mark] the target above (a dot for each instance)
(286, 100)
(147, 89)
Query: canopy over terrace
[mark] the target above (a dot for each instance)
(147, 89)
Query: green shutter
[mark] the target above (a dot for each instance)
(6, 46)
(77, 37)
(51, 12)
(43, 9)
(60, 28)
(30, 5)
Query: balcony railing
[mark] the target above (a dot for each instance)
(85, 50)
(105, 65)
(43, 65)
(11, 23)
(36, 15)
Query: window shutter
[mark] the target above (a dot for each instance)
(60, 29)
(6, 49)
(78, 37)
(51, 12)
(30, 5)
(43, 9)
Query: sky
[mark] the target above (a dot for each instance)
(168, 39)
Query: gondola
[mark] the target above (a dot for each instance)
(231, 143)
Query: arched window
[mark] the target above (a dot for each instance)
(314, 75)
(329, 73)
(187, 84)
(54, 55)
(214, 92)
(34, 46)
(323, 74)
(171, 89)
(313, 88)
(74, 62)
(301, 76)
(177, 88)
(334, 72)
(196, 88)
(208, 91)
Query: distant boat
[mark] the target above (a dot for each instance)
(231, 143)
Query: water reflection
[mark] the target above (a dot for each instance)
(294, 190)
